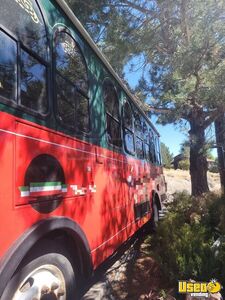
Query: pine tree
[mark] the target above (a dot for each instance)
(181, 46)
(167, 157)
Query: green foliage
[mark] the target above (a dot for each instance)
(109, 23)
(184, 164)
(214, 168)
(167, 157)
(179, 47)
(185, 240)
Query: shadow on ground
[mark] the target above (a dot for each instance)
(130, 274)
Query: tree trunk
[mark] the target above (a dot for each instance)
(198, 160)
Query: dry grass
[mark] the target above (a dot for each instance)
(179, 180)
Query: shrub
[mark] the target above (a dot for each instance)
(185, 242)
(184, 164)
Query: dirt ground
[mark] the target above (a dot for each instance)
(134, 276)
(179, 180)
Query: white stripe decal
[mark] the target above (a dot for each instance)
(83, 190)
(113, 236)
(59, 145)
(25, 193)
(35, 189)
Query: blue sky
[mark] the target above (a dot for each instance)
(170, 135)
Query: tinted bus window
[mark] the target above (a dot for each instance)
(28, 27)
(128, 130)
(128, 117)
(145, 132)
(157, 148)
(72, 83)
(139, 148)
(33, 83)
(24, 19)
(138, 126)
(138, 136)
(147, 151)
(8, 67)
(112, 114)
(69, 61)
(65, 101)
(152, 146)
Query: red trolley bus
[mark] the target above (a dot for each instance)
(80, 162)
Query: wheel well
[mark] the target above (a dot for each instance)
(74, 246)
(61, 230)
(156, 198)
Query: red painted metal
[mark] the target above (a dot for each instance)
(106, 214)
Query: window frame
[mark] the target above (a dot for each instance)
(43, 63)
(124, 128)
(107, 114)
(138, 115)
(66, 30)
(152, 146)
(158, 152)
(3, 99)
(17, 103)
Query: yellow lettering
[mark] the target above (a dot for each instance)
(182, 287)
(190, 287)
(204, 287)
(197, 287)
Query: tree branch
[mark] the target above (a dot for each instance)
(138, 7)
(213, 116)
(160, 110)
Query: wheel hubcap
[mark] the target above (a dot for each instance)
(44, 283)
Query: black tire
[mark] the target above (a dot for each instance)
(153, 222)
(47, 255)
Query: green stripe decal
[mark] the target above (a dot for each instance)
(24, 188)
(39, 184)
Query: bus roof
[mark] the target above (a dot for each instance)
(92, 44)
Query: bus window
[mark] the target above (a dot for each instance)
(145, 132)
(72, 83)
(138, 126)
(146, 141)
(157, 147)
(112, 114)
(33, 83)
(147, 151)
(128, 130)
(65, 101)
(152, 147)
(8, 56)
(139, 148)
(138, 136)
(27, 24)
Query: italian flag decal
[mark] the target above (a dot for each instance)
(43, 189)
